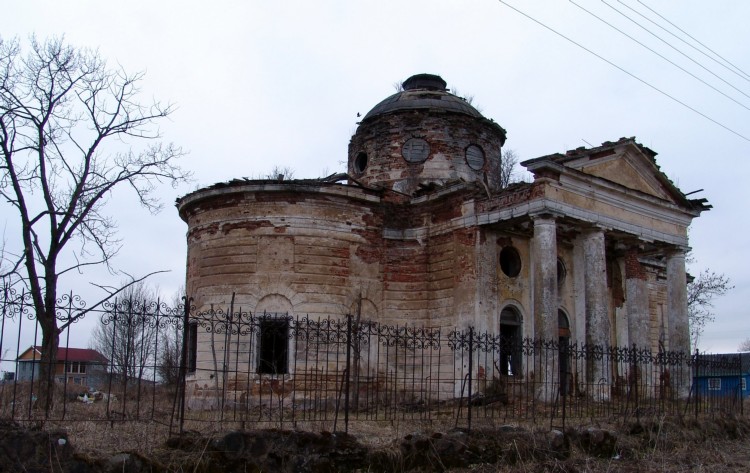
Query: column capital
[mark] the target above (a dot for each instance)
(677, 251)
(593, 228)
(629, 245)
(544, 215)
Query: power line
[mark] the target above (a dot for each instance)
(668, 44)
(733, 71)
(665, 58)
(625, 71)
(694, 39)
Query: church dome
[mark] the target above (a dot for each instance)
(424, 136)
(423, 91)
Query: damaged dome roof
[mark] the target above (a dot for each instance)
(424, 91)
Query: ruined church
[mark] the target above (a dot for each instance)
(422, 230)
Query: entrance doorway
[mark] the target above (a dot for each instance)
(563, 329)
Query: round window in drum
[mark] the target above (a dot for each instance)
(475, 157)
(415, 150)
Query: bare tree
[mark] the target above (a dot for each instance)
(169, 355)
(700, 294)
(467, 98)
(508, 164)
(279, 173)
(67, 127)
(744, 345)
(127, 335)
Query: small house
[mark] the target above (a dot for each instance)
(722, 375)
(80, 366)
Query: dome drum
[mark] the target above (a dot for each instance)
(425, 135)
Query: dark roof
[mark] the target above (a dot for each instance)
(76, 354)
(424, 91)
(722, 364)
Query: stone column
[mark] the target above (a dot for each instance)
(597, 316)
(636, 301)
(544, 247)
(637, 310)
(677, 319)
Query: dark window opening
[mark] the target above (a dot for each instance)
(566, 375)
(274, 347)
(76, 367)
(192, 352)
(510, 261)
(510, 343)
(563, 326)
(360, 162)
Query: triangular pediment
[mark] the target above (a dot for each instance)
(625, 165)
(624, 162)
(629, 168)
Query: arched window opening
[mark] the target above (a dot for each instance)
(563, 325)
(511, 329)
(566, 376)
(273, 343)
(360, 162)
(273, 353)
(192, 347)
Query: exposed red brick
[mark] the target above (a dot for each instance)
(633, 268)
(248, 225)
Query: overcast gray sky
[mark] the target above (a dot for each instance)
(264, 83)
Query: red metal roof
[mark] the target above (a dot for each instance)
(75, 354)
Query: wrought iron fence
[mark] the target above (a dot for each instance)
(227, 367)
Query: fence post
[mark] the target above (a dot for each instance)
(471, 368)
(742, 393)
(635, 373)
(2, 330)
(111, 355)
(181, 383)
(697, 396)
(18, 347)
(739, 380)
(347, 371)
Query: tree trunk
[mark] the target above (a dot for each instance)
(48, 362)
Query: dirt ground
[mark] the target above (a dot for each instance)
(711, 457)
(719, 445)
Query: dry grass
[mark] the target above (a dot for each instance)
(656, 445)
(105, 439)
(716, 441)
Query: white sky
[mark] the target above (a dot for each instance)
(264, 83)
